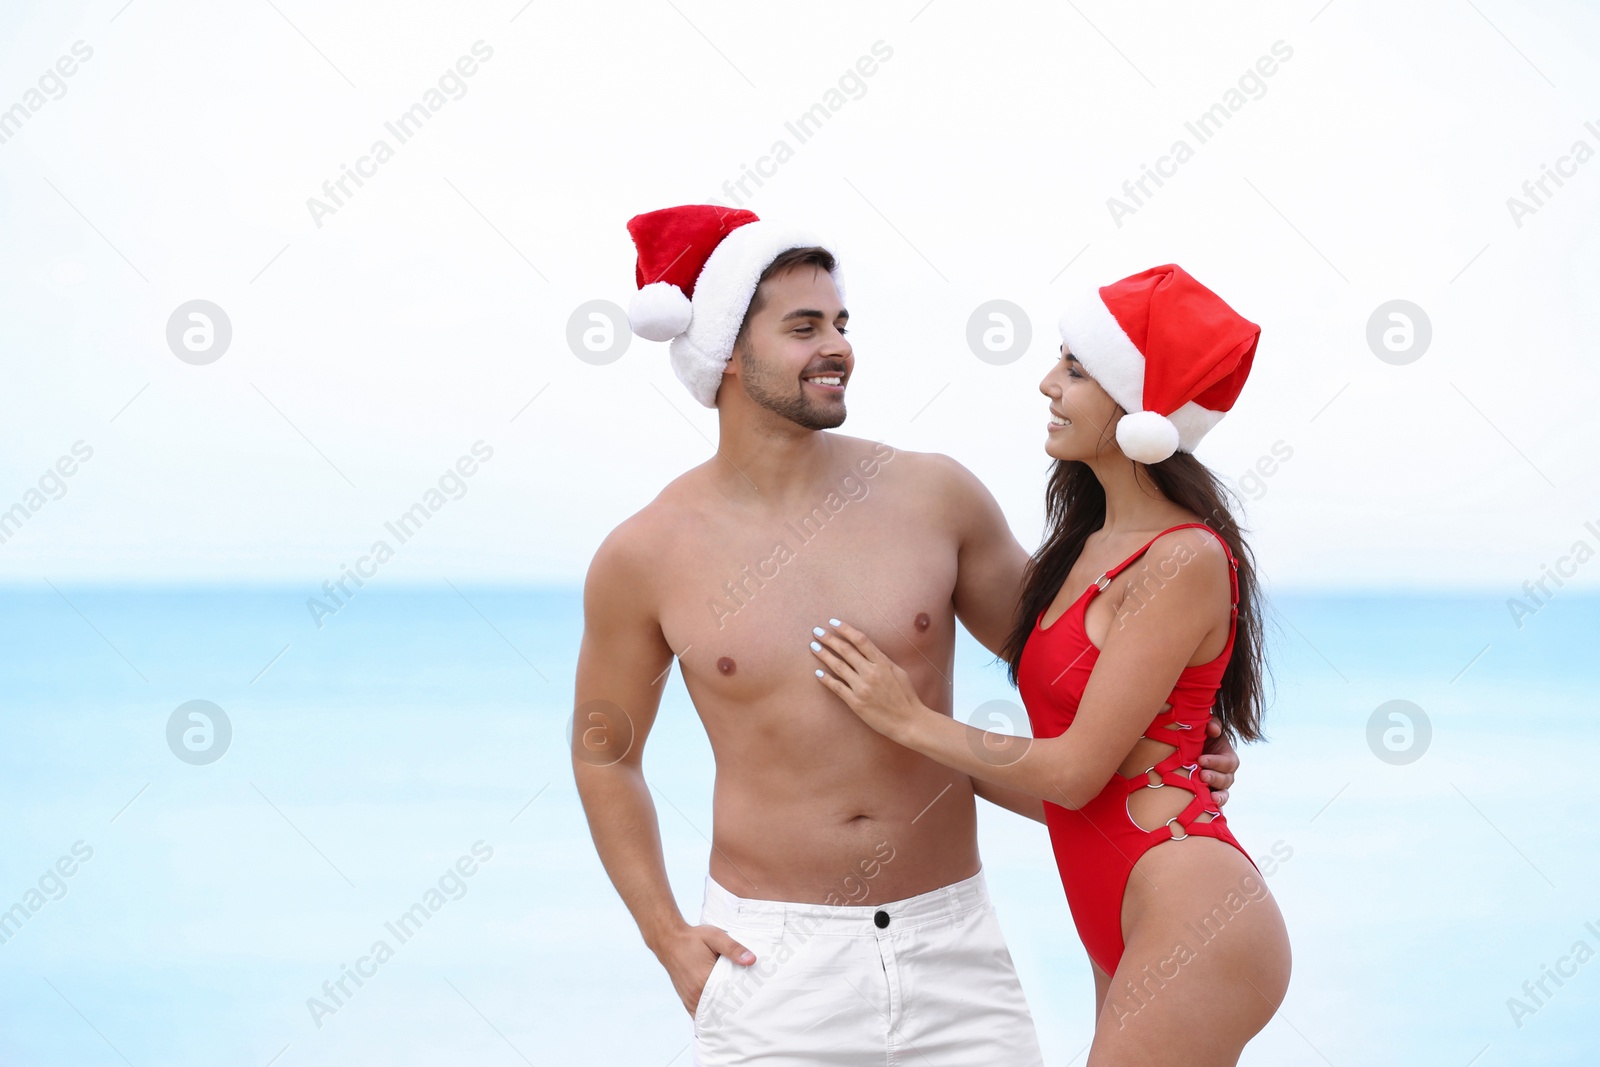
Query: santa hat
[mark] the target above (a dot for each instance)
(1168, 350)
(697, 270)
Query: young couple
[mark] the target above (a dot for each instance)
(808, 584)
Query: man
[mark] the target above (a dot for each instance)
(845, 918)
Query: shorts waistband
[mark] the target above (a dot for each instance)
(726, 910)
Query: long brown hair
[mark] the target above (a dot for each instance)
(1075, 507)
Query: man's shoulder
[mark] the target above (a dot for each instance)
(934, 470)
(626, 553)
(947, 481)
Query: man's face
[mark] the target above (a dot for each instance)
(793, 359)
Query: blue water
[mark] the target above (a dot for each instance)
(375, 753)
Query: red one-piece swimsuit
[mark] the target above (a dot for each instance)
(1097, 845)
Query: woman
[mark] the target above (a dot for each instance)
(1138, 616)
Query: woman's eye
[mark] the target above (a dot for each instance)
(843, 331)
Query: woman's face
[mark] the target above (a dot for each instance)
(1082, 415)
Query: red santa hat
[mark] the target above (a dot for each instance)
(1168, 350)
(698, 268)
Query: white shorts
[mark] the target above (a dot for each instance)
(924, 981)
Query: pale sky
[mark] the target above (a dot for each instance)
(374, 344)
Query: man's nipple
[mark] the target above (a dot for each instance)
(726, 665)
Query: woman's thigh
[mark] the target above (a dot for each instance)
(1206, 961)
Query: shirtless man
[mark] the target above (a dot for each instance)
(845, 917)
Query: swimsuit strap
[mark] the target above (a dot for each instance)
(1233, 571)
(1119, 568)
(1100, 583)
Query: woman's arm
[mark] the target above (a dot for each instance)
(1217, 771)
(1150, 642)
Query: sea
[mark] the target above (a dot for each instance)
(233, 833)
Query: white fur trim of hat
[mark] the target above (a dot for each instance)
(1098, 341)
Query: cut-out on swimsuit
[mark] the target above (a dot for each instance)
(1096, 846)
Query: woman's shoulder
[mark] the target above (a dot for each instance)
(1194, 561)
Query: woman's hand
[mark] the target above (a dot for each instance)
(874, 686)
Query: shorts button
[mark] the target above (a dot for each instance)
(881, 919)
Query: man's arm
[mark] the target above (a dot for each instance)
(990, 562)
(989, 567)
(1010, 799)
(622, 665)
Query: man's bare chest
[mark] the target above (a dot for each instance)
(740, 608)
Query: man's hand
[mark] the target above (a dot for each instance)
(689, 956)
(1219, 763)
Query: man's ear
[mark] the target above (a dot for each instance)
(730, 369)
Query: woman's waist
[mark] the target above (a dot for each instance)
(1104, 825)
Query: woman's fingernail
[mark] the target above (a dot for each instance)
(819, 631)
(819, 674)
(833, 622)
(815, 647)
(745, 957)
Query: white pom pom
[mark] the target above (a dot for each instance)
(1146, 437)
(659, 311)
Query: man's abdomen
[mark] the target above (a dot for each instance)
(896, 832)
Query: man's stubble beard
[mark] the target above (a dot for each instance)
(765, 388)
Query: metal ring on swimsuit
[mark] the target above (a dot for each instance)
(1175, 837)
